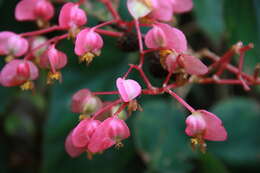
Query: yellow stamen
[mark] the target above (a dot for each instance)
(42, 24)
(165, 52)
(87, 57)
(53, 76)
(83, 116)
(9, 58)
(27, 86)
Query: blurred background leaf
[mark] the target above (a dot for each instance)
(241, 118)
(160, 140)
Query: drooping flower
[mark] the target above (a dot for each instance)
(88, 45)
(71, 149)
(85, 103)
(128, 89)
(19, 72)
(110, 132)
(72, 17)
(83, 131)
(203, 125)
(54, 60)
(29, 10)
(189, 63)
(165, 36)
(12, 45)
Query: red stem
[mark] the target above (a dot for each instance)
(111, 9)
(105, 93)
(42, 31)
(109, 33)
(104, 109)
(180, 100)
(120, 109)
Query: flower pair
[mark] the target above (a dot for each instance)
(94, 136)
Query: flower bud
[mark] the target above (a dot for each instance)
(29, 10)
(83, 132)
(71, 16)
(84, 102)
(88, 45)
(109, 132)
(128, 89)
(165, 36)
(12, 44)
(18, 72)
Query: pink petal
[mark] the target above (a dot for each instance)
(193, 65)
(162, 10)
(214, 130)
(44, 10)
(25, 10)
(71, 149)
(155, 38)
(4, 37)
(128, 89)
(79, 138)
(181, 6)
(195, 124)
(17, 45)
(78, 99)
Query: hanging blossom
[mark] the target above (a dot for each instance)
(53, 60)
(174, 44)
(72, 17)
(88, 45)
(203, 125)
(12, 45)
(34, 10)
(19, 72)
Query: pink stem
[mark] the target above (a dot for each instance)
(111, 9)
(145, 78)
(120, 109)
(105, 93)
(140, 42)
(105, 23)
(107, 107)
(109, 33)
(54, 40)
(42, 31)
(129, 70)
(180, 100)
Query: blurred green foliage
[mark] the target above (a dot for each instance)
(158, 143)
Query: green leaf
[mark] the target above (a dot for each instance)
(209, 15)
(242, 22)
(241, 118)
(160, 138)
(209, 163)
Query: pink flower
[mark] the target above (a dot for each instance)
(83, 131)
(109, 132)
(29, 10)
(72, 150)
(71, 16)
(139, 8)
(54, 59)
(165, 36)
(18, 72)
(181, 6)
(205, 125)
(191, 64)
(88, 45)
(84, 102)
(128, 89)
(12, 44)
(162, 10)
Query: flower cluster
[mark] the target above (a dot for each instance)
(102, 124)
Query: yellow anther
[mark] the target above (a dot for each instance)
(53, 76)
(9, 58)
(27, 86)
(83, 116)
(165, 52)
(87, 57)
(146, 20)
(119, 145)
